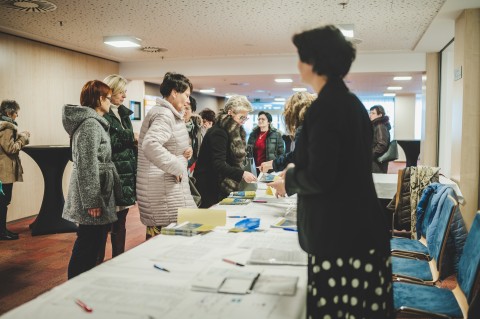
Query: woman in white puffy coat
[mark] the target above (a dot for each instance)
(164, 149)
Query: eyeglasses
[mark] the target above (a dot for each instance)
(243, 118)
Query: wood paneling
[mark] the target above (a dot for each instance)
(42, 78)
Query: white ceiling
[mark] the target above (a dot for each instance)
(230, 29)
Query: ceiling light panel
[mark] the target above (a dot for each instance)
(394, 88)
(283, 80)
(122, 41)
(402, 78)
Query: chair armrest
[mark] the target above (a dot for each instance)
(411, 280)
(410, 254)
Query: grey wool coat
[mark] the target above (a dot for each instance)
(163, 140)
(94, 181)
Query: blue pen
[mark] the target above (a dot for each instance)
(160, 268)
(237, 216)
(290, 229)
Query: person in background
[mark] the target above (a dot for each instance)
(294, 114)
(94, 183)
(194, 128)
(208, 120)
(164, 149)
(11, 142)
(381, 137)
(340, 222)
(219, 166)
(124, 156)
(265, 140)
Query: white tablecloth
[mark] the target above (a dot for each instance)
(128, 286)
(386, 186)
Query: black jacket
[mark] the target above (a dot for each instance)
(338, 210)
(124, 153)
(215, 162)
(281, 162)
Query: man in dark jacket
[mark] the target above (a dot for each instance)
(381, 137)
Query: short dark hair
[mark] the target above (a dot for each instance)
(326, 49)
(91, 93)
(268, 115)
(208, 115)
(174, 81)
(193, 103)
(9, 107)
(379, 109)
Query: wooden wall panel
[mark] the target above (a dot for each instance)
(42, 78)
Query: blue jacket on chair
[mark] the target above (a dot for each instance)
(429, 210)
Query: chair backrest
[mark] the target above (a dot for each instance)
(469, 265)
(439, 229)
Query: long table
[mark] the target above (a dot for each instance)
(128, 286)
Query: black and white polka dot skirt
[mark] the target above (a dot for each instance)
(350, 288)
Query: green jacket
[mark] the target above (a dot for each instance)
(124, 153)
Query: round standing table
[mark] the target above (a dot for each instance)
(52, 160)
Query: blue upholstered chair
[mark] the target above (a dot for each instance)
(413, 269)
(434, 194)
(444, 303)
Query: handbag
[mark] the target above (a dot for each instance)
(248, 166)
(391, 154)
(197, 198)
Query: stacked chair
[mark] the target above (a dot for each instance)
(427, 260)
(414, 298)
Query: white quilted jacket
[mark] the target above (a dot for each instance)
(163, 140)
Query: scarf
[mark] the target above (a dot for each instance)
(237, 149)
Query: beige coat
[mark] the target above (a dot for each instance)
(163, 140)
(11, 142)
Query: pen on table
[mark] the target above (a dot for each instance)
(160, 268)
(237, 216)
(259, 201)
(82, 305)
(254, 282)
(232, 262)
(290, 229)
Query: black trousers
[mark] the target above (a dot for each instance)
(90, 239)
(4, 202)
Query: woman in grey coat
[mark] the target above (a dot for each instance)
(164, 147)
(91, 200)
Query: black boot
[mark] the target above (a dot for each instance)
(6, 236)
(11, 233)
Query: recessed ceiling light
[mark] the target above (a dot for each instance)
(299, 89)
(122, 41)
(283, 80)
(279, 99)
(394, 88)
(389, 94)
(347, 30)
(207, 91)
(30, 5)
(402, 78)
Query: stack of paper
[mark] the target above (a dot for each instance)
(186, 229)
(278, 257)
(242, 194)
(227, 281)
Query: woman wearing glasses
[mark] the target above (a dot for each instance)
(94, 183)
(219, 166)
(265, 140)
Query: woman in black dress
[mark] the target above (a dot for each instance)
(340, 222)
